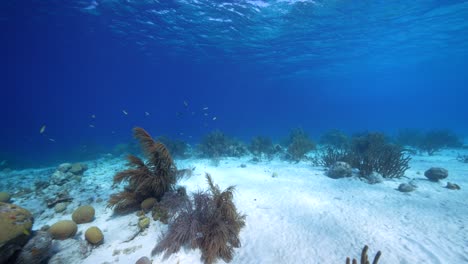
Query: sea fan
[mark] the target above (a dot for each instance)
(210, 221)
(151, 179)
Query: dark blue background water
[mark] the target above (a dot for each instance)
(260, 68)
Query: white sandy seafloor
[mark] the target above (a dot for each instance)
(301, 216)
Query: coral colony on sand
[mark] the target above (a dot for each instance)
(208, 220)
(145, 180)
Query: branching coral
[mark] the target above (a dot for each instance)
(370, 152)
(151, 179)
(330, 156)
(210, 222)
(437, 139)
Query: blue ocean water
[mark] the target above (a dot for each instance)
(259, 67)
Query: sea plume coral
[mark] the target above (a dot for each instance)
(209, 221)
(152, 178)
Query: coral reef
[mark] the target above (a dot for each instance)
(365, 257)
(216, 145)
(210, 222)
(15, 229)
(170, 205)
(298, 145)
(330, 155)
(335, 139)
(177, 148)
(369, 152)
(144, 180)
(262, 146)
(435, 140)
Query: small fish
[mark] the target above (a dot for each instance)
(185, 103)
(147, 114)
(181, 133)
(125, 112)
(205, 114)
(42, 129)
(190, 136)
(205, 108)
(91, 126)
(214, 118)
(112, 132)
(51, 139)
(93, 116)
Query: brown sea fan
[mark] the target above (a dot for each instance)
(209, 221)
(151, 179)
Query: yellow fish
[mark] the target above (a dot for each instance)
(42, 129)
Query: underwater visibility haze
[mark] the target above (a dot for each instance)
(261, 67)
(321, 113)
